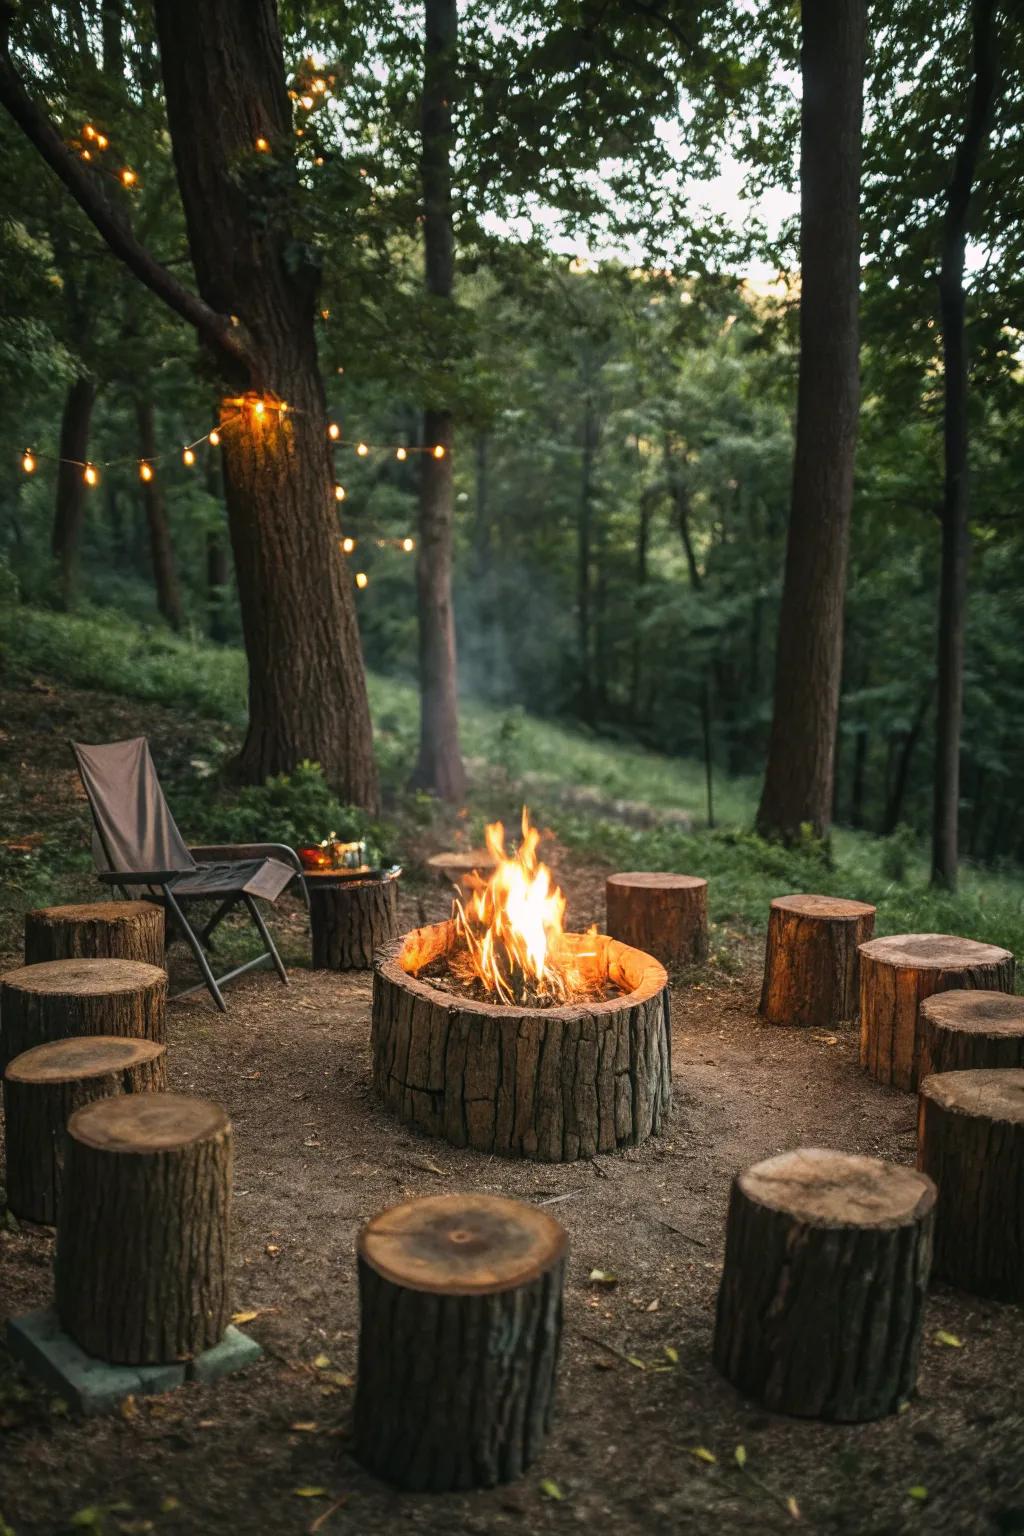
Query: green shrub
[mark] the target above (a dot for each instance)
(298, 808)
(898, 851)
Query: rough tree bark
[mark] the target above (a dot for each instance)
(964, 1030)
(69, 507)
(955, 505)
(439, 763)
(662, 915)
(350, 920)
(96, 930)
(64, 998)
(811, 969)
(798, 776)
(165, 577)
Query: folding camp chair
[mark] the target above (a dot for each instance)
(138, 849)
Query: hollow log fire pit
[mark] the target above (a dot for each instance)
(497, 1030)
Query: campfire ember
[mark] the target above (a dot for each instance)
(510, 945)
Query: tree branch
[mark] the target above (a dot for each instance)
(89, 194)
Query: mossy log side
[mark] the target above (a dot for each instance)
(43, 1088)
(460, 1323)
(663, 915)
(550, 1084)
(350, 921)
(141, 1269)
(970, 1140)
(822, 1298)
(961, 1031)
(96, 930)
(811, 970)
(63, 998)
(897, 974)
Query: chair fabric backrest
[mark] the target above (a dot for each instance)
(135, 830)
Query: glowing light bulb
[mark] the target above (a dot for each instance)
(319, 86)
(258, 407)
(128, 177)
(214, 439)
(348, 545)
(86, 154)
(91, 475)
(306, 101)
(262, 144)
(362, 450)
(28, 462)
(361, 579)
(318, 160)
(438, 450)
(102, 141)
(325, 314)
(402, 453)
(145, 472)
(340, 493)
(89, 132)
(408, 545)
(333, 431)
(188, 457)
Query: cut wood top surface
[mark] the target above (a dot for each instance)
(462, 1244)
(838, 1189)
(933, 951)
(476, 858)
(66, 1061)
(824, 907)
(95, 912)
(84, 978)
(989, 1093)
(147, 1122)
(975, 1012)
(656, 881)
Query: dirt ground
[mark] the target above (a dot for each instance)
(315, 1157)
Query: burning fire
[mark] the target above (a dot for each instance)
(509, 932)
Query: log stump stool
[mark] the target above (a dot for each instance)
(350, 919)
(42, 1089)
(96, 930)
(811, 970)
(141, 1269)
(963, 1030)
(970, 1140)
(460, 1319)
(896, 974)
(663, 915)
(457, 868)
(62, 998)
(823, 1290)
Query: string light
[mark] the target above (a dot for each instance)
(188, 457)
(408, 545)
(86, 154)
(28, 462)
(102, 141)
(89, 132)
(262, 144)
(214, 438)
(145, 471)
(307, 102)
(402, 454)
(333, 431)
(339, 493)
(91, 475)
(362, 450)
(258, 407)
(438, 450)
(348, 545)
(128, 177)
(362, 579)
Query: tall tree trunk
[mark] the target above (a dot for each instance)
(69, 508)
(224, 83)
(218, 565)
(643, 537)
(584, 551)
(111, 31)
(955, 534)
(901, 778)
(798, 776)
(161, 550)
(439, 765)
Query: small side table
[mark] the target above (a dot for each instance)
(350, 915)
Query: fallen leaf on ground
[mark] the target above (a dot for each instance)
(310, 1493)
(793, 1507)
(671, 1353)
(741, 1455)
(703, 1454)
(304, 1426)
(918, 1491)
(604, 1277)
(322, 1362)
(652, 1306)
(244, 1317)
(950, 1339)
(550, 1489)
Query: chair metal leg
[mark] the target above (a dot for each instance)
(264, 933)
(197, 950)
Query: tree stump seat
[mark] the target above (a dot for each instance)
(141, 1270)
(454, 868)
(96, 930)
(62, 998)
(970, 1140)
(350, 919)
(822, 1297)
(460, 1321)
(811, 974)
(42, 1089)
(663, 915)
(962, 1030)
(897, 974)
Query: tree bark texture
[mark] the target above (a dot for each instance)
(811, 964)
(896, 974)
(439, 764)
(460, 1324)
(62, 998)
(798, 778)
(822, 1297)
(225, 86)
(350, 921)
(970, 1140)
(961, 1031)
(69, 508)
(96, 930)
(955, 501)
(42, 1089)
(141, 1271)
(161, 550)
(550, 1084)
(664, 915)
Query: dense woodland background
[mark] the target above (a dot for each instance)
(621, 425)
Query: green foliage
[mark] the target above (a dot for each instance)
(298, 809)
